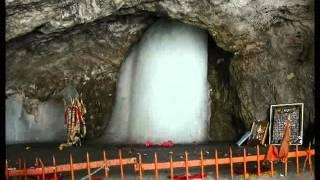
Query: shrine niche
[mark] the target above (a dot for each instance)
(278, 119)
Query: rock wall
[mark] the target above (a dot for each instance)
(40, 66)
(271, 42)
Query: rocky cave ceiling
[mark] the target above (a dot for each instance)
(85, 41)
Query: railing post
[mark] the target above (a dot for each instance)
(106, 169)
(121, 165)
(19, 162)
(25, 169)
(202, 167)
(310, 161)
(88, 166)
(140, 166)
(217, 164)
(231, 163)
(55, 168)
(308, 158)
(258, 160)
(171, 166)
(286, 166)
(43, 170)
(37, 164)
(71, 167)
(7, 171)
(20, 167)
(187, 165)
(297, 159)
(156, 166)
(244, 163)
(271, 167)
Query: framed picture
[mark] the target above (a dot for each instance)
(279, 117)
(259, 131)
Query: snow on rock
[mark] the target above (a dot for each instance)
(22, 127)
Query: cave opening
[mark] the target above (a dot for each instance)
(167, 89)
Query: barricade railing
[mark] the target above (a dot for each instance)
(41, 170)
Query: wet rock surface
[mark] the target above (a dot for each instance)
(86, 41)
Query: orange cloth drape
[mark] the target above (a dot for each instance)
(284, 147)
(273, 153)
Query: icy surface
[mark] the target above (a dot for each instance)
(22, 127)
(162, 91)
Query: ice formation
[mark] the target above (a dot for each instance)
(162, 92)
(22, 127)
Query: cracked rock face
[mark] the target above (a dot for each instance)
(271, 42)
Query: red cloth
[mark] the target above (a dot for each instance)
(148, 144)
(167, 144)
(163, 144)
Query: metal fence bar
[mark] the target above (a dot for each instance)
(309, 159)
(297, 159)
(37, 165)
(171, 167)
(88, 166)
(55, 168)
(20, 167)
(25, 169)
(71, 167)
(258, 160)
(121, 164)
(244, 163)
(231, 163)
(271, 167)
(156, 166)
(202, 167)
(43, 173)
(106, 168)
(286, 167)
(19, 163)
(187, 165)
(216, 163)
(7, 171)
(140, 166)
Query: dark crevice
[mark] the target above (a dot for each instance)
(225, 122)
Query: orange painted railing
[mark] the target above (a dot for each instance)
(140, 167)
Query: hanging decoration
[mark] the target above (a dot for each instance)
(74, 122)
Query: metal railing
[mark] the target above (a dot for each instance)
(41, 170)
